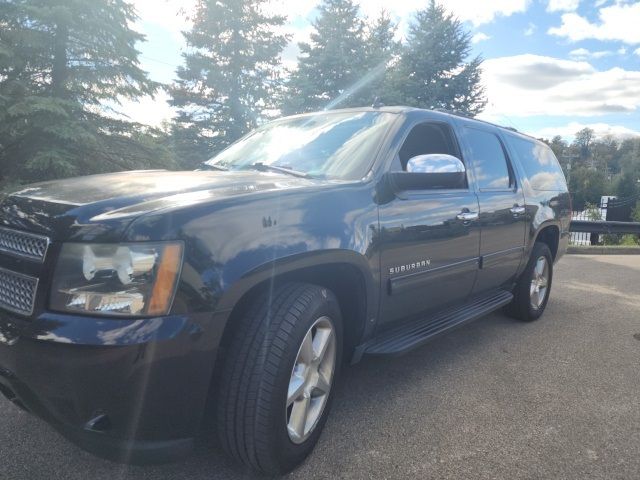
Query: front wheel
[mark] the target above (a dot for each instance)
(276, 385)
(532, 290)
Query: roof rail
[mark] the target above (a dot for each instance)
(464, 115)
(457, 113)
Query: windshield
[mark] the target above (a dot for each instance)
(327, 145)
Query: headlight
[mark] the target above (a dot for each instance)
(137, 279)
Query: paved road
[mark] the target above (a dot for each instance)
(558, 398)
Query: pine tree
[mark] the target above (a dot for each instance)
(435, 70)
(382, 51)
(230, 77)
(61, 61)
(332, 63)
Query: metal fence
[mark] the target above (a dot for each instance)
(606, 223)
(585, 238)
(588, 232)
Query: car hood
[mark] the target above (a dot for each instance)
(99, 207)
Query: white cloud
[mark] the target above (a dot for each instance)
(563, 5)
(637, 52)
(291, 8)
(168, 14)
(479, 37)
(583, 53)
(291, 51)
(479, 12)
(525, 85)
(616, 22)
(601, 130)
(531, 28)
(579, 52)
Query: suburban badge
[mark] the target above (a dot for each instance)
(409, 267)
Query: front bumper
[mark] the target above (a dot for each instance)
(128, 390)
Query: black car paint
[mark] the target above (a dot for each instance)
(151, 377)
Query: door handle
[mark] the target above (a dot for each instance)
(517, 210)
(467, 216)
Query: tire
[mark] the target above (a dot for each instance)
(525, 305)
(266, 355)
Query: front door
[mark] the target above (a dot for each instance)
(502, 207)
(429, 238)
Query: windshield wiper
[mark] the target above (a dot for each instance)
(263, 167)
(211, 166)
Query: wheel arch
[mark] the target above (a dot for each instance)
(347, 274)
(549, 233)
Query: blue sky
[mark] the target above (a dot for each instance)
(551, 66)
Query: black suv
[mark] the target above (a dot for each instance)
(135, 305)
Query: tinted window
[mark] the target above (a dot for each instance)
(489, 161)
(539, 163)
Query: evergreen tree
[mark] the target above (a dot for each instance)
(332, 63)
(60, 62)
(381, 51)
(230, 77)
(381, 46)
(435, 70)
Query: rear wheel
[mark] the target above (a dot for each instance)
(276, 384)
(532, 290)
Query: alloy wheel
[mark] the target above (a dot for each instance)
(311, 379)
(539, 283)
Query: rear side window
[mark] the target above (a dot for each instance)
(489, 160)
(539, 163)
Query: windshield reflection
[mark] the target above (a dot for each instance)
(328, 145)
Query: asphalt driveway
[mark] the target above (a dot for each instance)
(557, 398)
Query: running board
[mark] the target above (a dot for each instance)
(418, 332)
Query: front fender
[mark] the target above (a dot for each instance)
(283, 266)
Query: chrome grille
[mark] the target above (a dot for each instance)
(17, 292)
(23, 244)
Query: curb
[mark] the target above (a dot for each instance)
(573, 250)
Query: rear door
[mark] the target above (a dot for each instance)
(502, 206)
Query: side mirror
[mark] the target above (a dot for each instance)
(435, 163)
(433, 171)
